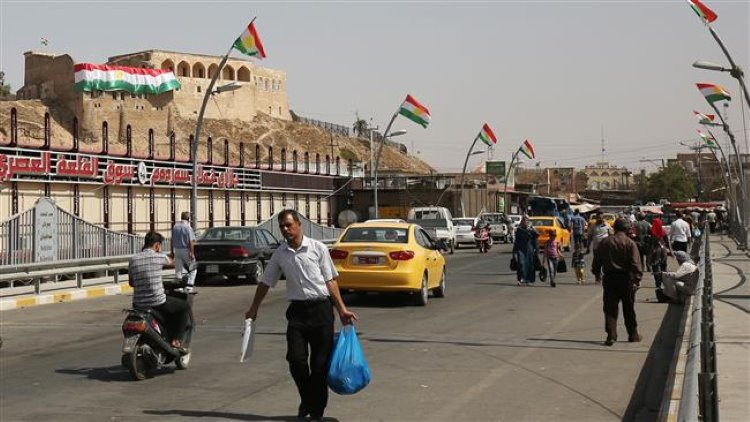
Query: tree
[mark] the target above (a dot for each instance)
(673, 182)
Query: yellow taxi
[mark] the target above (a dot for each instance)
(543, 225)
(381, 256)
(609, 218)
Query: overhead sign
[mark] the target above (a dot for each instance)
(495, 171)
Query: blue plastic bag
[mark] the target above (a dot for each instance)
(348, 372)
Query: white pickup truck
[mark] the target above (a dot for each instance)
(499, 227)
(437, 221)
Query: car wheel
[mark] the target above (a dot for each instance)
(439, 291)
(423, 294)
(257, 273)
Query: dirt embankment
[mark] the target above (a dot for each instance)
(263, 131)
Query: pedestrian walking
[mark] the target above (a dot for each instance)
(525, 250)
(183, 247)
(552, 253)
(643, 235)
(657, 260)
(617, 259)
(711, 218)
(680, 233)
(312, 292)
(579, 264)
(599, 232)
(578, 225)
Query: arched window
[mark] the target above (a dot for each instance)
(268, 85)
(294, 161)
(243, 74)
(168, 65)
(257, 156)
(283, 160)
(270, 158)
(227, 73)
(183, 69)
(212, 68)
(199, 71)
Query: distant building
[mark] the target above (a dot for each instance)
(706, 170)
(604, 176)
(51, 77)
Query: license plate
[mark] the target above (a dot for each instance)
(368, 260)
(212, 269)
(128, 344)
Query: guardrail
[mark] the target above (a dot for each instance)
(692, 388)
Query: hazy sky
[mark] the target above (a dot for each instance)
(554, 72)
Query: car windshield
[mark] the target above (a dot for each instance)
(543, 222)
(376, 235)
(463, 222)
(228, 233)
(427, 215)
(494, 218)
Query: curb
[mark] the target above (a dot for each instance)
(65, 296)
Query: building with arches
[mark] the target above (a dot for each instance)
(605, 176)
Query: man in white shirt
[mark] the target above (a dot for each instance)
(312, 291)
(679, 233)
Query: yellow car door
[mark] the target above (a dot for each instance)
(427, 249)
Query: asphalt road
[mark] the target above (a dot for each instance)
(489, 350)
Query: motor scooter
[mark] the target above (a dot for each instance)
(483, 238)
(145, 346)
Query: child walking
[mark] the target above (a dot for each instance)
(552, 252)
(579, 263)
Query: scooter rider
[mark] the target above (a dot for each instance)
(145, 269)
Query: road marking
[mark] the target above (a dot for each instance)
(452, 410)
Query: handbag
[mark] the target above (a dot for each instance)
(513, 264)
(562, 267)
(348, 372)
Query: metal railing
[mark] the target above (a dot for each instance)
(698, 393)
(330, 127)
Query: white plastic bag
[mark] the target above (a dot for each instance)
(248, 339)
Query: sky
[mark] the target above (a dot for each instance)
(559, 73)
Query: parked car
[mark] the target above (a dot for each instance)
(437, 221)
(543, 225)
(499, 224)
(234, 252)
(389, 257)
(463, 229)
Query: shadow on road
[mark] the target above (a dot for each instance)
(645, 401)
(114, 373)
(225, 415)
(379, 300)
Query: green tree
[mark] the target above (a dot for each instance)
(673, 182)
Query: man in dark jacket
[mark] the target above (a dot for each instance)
(617, 257)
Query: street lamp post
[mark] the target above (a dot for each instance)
(513, 159)
(386, 135)
(194, 146)
(463, 172)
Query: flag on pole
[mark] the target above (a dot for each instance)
(713, 93)
(707, 15)
(249, 42)
(100, 77)
(487, 136)
(414, 111)
(527, 150)
(709, 140)
(704, 119)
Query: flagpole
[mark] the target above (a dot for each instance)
(377, 162)
(507, 175)
(732, 193)
(735, 71)
(463, 173)
(740, 169)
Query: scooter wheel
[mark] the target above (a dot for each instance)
(138, 364)
(183, 361)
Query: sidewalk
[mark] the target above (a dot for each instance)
(732, 327)
(64, 295)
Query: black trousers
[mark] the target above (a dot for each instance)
(679, 246)
(618, 290)
(176, 312)
(309, 339)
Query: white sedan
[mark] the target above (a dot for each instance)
(464, 230)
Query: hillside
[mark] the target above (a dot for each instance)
(263, 130)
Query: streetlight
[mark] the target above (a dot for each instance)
(463, 174)
(233, 86)
(386, 135)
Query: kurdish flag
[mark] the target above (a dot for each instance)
(100, 77)
(249, 42)
(709, 140)
(704, 119)
(414, 111)
(713, 93)
(487, 136)
(707, 15)
(527, 149)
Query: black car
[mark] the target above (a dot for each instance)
(234, 252)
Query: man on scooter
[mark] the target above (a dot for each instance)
(145, 269)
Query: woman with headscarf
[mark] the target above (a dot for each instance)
(680, 283)
(525, 249)
(657, 229)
